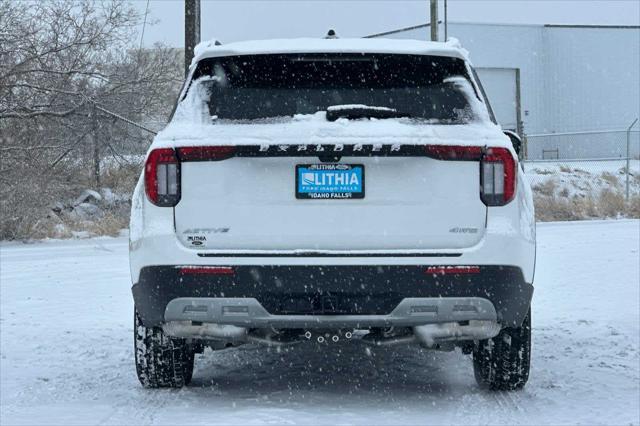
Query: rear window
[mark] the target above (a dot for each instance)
(252, 87)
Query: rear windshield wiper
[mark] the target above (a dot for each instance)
(353, 112)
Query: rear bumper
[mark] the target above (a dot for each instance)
(297, 296)
(249, 313)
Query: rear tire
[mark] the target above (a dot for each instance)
(161, 361)
(503, 362)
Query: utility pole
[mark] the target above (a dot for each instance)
(434, 20)
(191, 30)
(446, 22)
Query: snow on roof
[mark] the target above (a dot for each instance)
(209, 49)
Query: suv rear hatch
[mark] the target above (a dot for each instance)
(412, 203)
(272, 111)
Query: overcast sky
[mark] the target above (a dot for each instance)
(244, 20)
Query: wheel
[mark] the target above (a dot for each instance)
(502, 363)
(161, 361)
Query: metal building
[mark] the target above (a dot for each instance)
(550, 79)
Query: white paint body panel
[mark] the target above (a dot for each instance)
(410, 203)
(410, 207)
(509, 239)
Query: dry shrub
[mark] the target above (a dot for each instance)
(610, 203)
(51, 226)
(550, 209)
(553, 208)
(543, 171)
(122, 179)
(607, 204)
(28, 195)
(547, 188)
(610, 178)
(26, 209)
(111, 223)
(633, 207)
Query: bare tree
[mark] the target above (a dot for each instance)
(58, 59)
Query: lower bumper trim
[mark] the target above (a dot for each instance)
(249, 313)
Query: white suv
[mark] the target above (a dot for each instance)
(332, 189)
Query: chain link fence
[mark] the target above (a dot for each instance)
(593, 153)
(584, 174)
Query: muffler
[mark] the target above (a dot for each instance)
(388, 341)
(189, 330)
(430, 335)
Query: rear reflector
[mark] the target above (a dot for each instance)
(207, 270)
(452, 270)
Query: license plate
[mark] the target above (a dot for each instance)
(329, 181)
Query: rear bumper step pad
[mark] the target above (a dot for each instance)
(248, 312)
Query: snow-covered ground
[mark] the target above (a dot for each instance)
(66, 350)
(543, 167)
(582, 178)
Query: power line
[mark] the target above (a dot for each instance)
(126, 120)
(144, 23)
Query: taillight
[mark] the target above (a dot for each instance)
(206, 153)
(162, 177)
(162, 170)
(497, 169)
(454, 152)
(497, 177)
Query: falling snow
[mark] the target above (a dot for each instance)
(66, 353)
